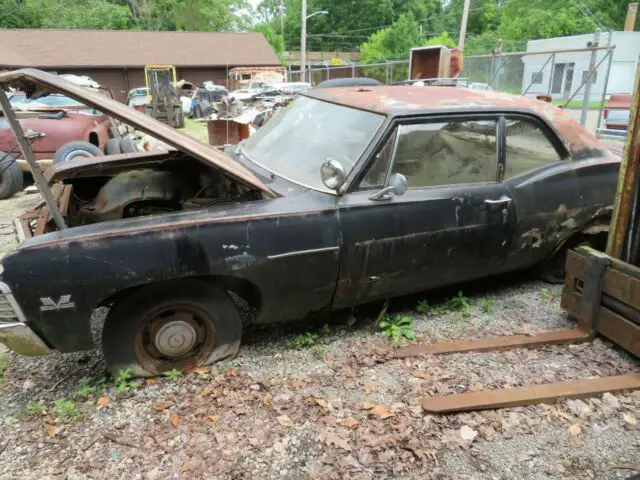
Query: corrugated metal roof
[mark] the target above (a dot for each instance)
(126, 48)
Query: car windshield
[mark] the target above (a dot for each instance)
(50, 101)
(300, 138)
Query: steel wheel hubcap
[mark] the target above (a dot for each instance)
(176, 338)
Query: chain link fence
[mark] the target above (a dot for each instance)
(575, 79)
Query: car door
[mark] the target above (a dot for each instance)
(455, 221)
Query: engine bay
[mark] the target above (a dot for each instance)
(174, 184)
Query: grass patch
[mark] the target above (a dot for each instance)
(197, 130)
(577, 104)
(173, 375)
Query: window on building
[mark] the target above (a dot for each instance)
(527, 148)
(536, 78)
(443, 153)
(594, 77)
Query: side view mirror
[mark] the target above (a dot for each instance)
(333, 173)
(397, 185)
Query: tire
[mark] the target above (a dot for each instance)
(112, 146)
(127, 146)
(11, 178)
(76, 149)
(180, 325)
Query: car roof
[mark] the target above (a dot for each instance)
(403, 100)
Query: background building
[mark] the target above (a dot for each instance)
(116, 59)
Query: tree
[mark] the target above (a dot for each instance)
(442, 39)
(97, 14)
(392, 42)
(268, 10)
(275, 40)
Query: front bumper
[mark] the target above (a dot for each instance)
(21, 339)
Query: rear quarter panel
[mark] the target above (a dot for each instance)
(557, 201)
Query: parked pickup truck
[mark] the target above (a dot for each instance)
(347, 196)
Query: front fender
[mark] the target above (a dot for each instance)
(291, 258)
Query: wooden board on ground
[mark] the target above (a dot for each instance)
(572, 335)
(513, 397)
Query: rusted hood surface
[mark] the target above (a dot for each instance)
(36, 83)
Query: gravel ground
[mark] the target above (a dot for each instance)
(341, 408)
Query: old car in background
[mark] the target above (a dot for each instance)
(58, 128)
(616, 112)
(347, 196)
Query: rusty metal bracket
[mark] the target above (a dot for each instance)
(530, 395)
(573, 335)
(597, 263)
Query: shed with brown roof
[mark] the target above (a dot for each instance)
(116, 58)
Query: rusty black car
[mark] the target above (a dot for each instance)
(347, 196)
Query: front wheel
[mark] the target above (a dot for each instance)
(178, 325)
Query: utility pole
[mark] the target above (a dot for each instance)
(463, 24)
(303, 43)
(589, 79)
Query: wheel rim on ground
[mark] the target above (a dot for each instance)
(179, 337)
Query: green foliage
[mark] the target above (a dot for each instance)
(319, 351)
(123, 381)
(87, 388)
(65, 410)
(442, 39)
(486, 305)
(393, 42)
(173, 374)
(304, 340)
(275, 40)
(398, 327)
(35, 408)
(3, 366)
(423, 307)
(206, 15)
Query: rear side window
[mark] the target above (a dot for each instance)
(527, 147)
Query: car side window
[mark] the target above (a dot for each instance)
(527, 147)
(442, 153)
(377, 174)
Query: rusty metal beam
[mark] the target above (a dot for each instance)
(514, 397)
(627, 179)
(573, 335)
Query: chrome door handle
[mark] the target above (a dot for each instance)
(502, 201)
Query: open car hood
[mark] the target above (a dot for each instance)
(36, 83)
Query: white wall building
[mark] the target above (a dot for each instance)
(569, 69)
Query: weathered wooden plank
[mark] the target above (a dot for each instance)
(572, 335)
(513, 397)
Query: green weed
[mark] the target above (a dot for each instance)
(486, 305)
(123, 381)
(423, 307)
(173, 374)
(35, 408)
(87, 388)
(319, 351)
(398, 327)
(65, 410)
(304, 340)
(3, 366)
